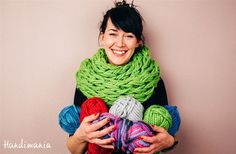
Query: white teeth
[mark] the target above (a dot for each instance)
(118, 52)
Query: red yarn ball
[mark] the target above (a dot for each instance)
(91, 106)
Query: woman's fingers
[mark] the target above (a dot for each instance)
(107, 146)
(159, 142)
(149, 139)
(152, 149)
(102, 132)
(105, 143)
(155, 146)
(92, 129)
(158, 129)
(102, 142)
(145, 149)
(90, 118)
(99, 124)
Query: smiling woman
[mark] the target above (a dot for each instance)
(121, 32)
(119, 45)
(122, 66)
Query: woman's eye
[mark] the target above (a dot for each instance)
(129, 36)
(112, 34)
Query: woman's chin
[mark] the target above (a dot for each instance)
(117, 62)
(118, 59)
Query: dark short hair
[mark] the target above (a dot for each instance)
(126, 17)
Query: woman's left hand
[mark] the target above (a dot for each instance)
(159, 142)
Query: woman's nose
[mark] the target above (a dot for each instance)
(120, 41)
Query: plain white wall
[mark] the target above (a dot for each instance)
(42, 43)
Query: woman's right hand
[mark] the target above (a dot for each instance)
(89, 132)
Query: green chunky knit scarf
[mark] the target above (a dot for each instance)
(138, 78)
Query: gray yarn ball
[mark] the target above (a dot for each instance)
(127, 107)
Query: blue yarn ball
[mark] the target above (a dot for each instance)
(175, 119)
(69, 119)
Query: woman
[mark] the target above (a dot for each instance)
(121, 63)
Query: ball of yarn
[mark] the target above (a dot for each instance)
(114, 120)
(158, 115)
(175, 119)
(69, 119)
(127, 107)
(137, 129)
(92, 106)
(127, 132)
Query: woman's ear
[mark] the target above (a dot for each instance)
(101, 38)
(138, 43)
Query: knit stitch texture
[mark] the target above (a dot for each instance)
(175, 119)
(138, 78)
(158, 115)
(69, 118)
(91, 106)
(127, 107)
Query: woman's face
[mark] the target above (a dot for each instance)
(119, 45)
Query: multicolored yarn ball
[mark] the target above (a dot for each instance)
(136, 130)
(127, 107)
(175, 119)
(127, 132)
(113, 120)
(69, 118)
(158, 115)
(92, 106)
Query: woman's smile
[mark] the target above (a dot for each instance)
(119, 52)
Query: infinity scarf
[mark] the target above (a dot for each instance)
(138, 78)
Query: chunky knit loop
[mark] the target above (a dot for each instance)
(138, 78)
(127, 107)
(69, 119)
(158, 115)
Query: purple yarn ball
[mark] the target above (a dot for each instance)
(127, 132)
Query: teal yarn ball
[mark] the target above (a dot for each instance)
(127, 107)
(159, 116)
(175, 119)
(69, 119)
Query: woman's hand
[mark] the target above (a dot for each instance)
(159, 142)
(88, 132)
